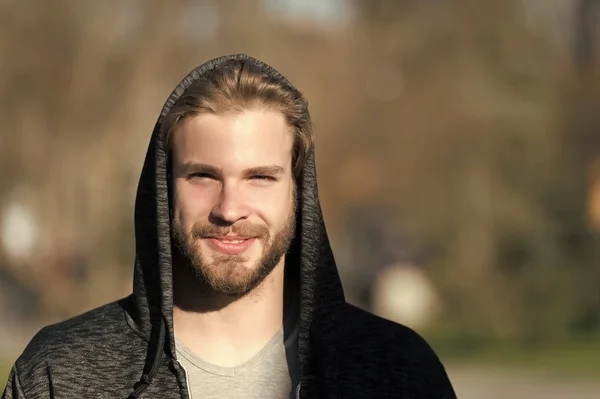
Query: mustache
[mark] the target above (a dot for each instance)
(203, 230)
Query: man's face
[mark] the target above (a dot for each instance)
(233, 196)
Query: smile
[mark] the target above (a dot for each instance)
(231, 245)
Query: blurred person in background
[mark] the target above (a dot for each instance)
(236, 292)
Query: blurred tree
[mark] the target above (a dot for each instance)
(473, 146)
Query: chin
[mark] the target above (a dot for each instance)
(219, 272)
(228, 286)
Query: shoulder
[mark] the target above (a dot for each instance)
(392, 354)
(88, 339)
(77, 333)
(367, 327)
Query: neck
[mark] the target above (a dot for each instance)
(224, 330)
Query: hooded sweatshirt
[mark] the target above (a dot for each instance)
(127, 348)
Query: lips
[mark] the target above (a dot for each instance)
(231, 245)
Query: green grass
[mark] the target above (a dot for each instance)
(5, 366)
(577, 358)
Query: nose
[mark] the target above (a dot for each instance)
(231, 206)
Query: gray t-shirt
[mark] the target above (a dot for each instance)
(271, 374)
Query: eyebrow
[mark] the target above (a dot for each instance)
(269, 170)
(195, 167)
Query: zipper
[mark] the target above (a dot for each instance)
(187, 380)
(298, 388)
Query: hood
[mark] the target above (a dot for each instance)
(310, 256)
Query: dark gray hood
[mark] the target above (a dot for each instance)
(310, 257)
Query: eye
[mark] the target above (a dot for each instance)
(263, 178)
(200, 175)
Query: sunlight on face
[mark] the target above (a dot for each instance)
(233, 196)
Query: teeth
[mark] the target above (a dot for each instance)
(233, 241)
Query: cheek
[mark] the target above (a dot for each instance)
(275, 207)
(191, 202)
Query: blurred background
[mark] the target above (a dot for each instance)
(458, 153)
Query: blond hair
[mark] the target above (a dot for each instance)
(238, 85)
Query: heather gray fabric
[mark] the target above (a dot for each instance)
(127, 348)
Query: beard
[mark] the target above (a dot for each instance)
(231, 275)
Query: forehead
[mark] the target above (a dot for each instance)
(242, 138)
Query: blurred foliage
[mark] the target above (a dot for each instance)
(468, 124)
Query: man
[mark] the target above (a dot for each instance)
(236, 293)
